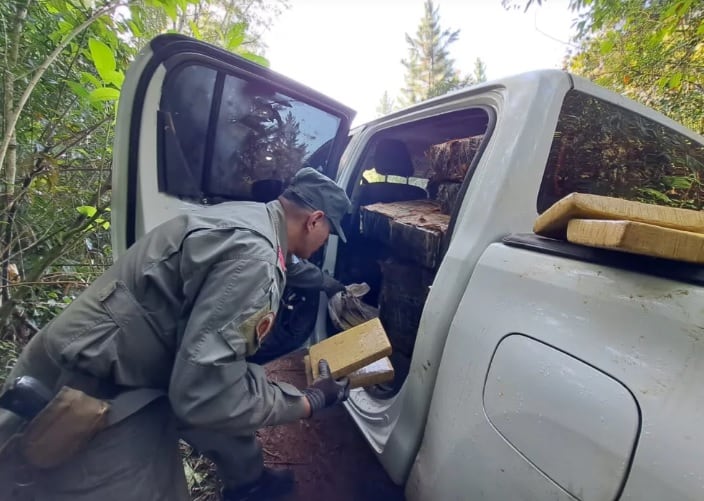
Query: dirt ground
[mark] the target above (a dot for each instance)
(330, 457)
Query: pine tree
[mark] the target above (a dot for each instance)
(479, 71)
(429, 69)
(386, 105)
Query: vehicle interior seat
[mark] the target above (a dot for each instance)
(391, 158)
(362, 260)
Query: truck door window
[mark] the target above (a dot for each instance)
(223, 137)
(603, 149)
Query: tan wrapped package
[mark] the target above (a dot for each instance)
(377, 372)
(352, 349)
(638, 238)
(553, 222)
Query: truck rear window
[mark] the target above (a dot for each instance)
(603, 149)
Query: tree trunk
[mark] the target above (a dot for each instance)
(10, 164)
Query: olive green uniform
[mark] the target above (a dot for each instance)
(179, 311)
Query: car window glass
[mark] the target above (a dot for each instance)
(263, 138)
(227, 138)
(184, 114)
(603, 149)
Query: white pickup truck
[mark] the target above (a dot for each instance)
(526, 368)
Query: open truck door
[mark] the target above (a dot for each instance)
(199, 125)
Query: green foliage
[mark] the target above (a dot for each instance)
(69, 59)
(386, 105)
(235, 25)
(103, 59)
(430, 71)
(650, 51)
(8, 357)
(479, 74)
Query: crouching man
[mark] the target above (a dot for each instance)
(155, 349)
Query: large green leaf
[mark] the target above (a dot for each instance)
(90, 78)
(104, 94)
(103, 58)
(195, 30)
(235, 36)
(606, 46)
(255, 58)
(655, 194)
(87, 210)
(170, 8)
(78, 89)
(678, 182)
(135, 27)
(65, 27)
(115, 77)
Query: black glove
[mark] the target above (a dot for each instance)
(331, 286)
(325, 391)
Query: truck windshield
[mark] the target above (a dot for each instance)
(603, 149)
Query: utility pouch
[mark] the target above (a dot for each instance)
(67, 423)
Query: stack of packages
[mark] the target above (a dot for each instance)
(449, 163)
(414, 233)
(622, 225)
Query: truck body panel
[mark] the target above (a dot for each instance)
(643, 332)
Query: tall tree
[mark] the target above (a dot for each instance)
(386, 105)
(429, 69)
(479, 73)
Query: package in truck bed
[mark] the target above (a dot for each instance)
(415, 229)
(447, 194)
(451, 160)
(404, 289)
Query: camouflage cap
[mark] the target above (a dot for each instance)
(320, 192)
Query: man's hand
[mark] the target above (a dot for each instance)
(332, 286)
(325, 391)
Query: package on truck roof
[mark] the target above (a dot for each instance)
(553, 222)
(626, 226)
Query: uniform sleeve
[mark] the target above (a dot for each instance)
(304, 275)
(211, 384)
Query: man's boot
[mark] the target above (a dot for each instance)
(270, 485)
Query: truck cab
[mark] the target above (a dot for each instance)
(526, 368)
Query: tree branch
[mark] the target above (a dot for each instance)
(70, 235)
(49, 236)
(12, 120)
(49, 131)
(79, 136)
